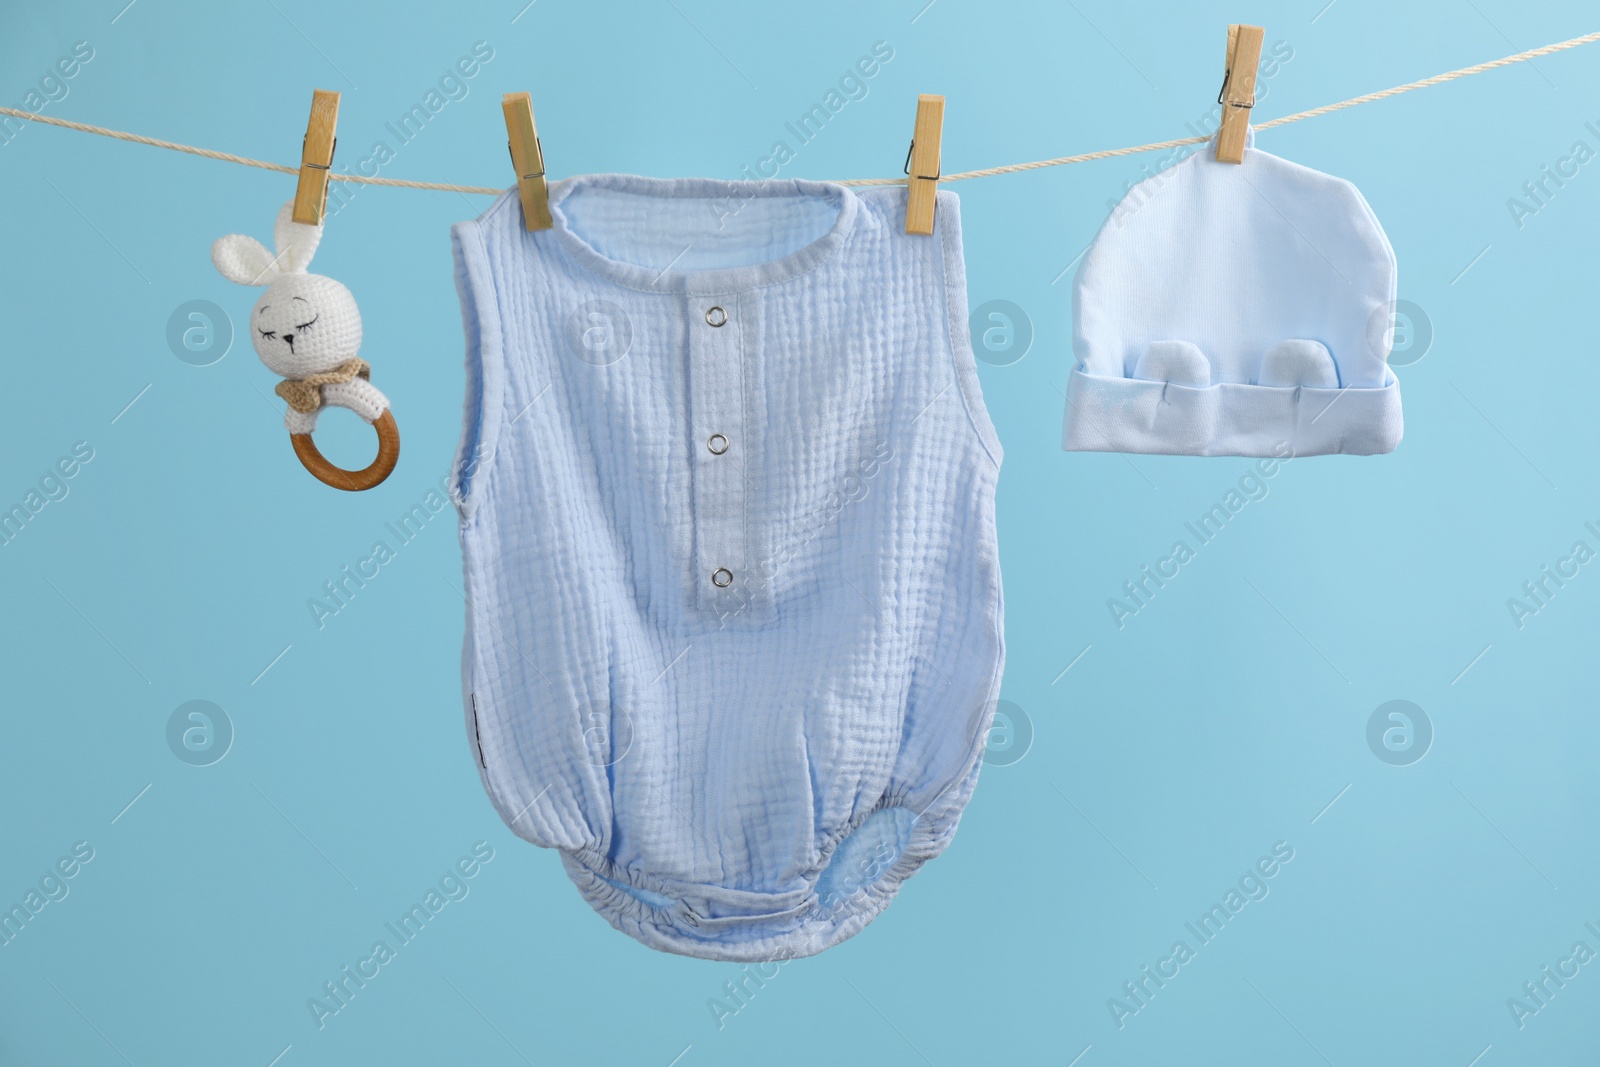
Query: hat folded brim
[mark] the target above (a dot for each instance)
(1229, 419)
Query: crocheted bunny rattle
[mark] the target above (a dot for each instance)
(306, 328)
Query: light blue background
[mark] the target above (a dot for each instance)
(1223, 718)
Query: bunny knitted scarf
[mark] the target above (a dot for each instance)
(305, 394)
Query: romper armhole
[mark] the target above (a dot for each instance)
(947, 227)
(480, 419)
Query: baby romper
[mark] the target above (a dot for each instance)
(726, 486)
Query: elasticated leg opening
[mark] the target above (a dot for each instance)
(655, 900)
(863, 873)
(864, 857)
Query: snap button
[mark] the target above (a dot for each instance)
(722, 577)
(717, 444)
(716, 316)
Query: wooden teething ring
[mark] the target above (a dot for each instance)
(352, 481)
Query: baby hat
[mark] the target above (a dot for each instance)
(1235, 310)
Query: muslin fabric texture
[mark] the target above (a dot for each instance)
(726, 486)
(1235, 310)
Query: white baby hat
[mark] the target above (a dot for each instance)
(1235, 310)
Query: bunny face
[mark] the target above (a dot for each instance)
(304, 323)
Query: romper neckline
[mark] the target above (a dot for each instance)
(712, 280)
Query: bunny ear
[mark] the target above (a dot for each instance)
(298, 239)
(244, 260)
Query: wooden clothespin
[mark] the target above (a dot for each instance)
(922, 164)
(527, 156)
(316, 157)
(1238, 93)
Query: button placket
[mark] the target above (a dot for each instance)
(716, 420)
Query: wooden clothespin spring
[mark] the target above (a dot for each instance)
(922, 164)
(316, 158)
(527, 158)
(1238, 93)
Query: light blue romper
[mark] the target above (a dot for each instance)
(726, 488)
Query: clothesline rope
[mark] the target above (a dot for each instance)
(1437, 79)
(401, 183)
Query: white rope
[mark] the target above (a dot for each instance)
(399, 183)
